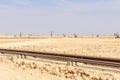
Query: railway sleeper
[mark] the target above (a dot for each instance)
(72, 63)
(21, 56)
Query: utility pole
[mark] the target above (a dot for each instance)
(20, 35)
(51, 34)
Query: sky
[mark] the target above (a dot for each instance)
(85, 17)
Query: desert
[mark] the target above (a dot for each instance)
(90, 46)
(59, 40)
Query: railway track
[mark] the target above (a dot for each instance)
(112, 62)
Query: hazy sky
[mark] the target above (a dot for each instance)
(59, 16)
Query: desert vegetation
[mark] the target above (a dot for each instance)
(116, 35)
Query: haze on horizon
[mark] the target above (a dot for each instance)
(59, 16)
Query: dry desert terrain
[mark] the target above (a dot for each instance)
(27, 70)
(101, 47)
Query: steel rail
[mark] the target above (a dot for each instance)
(67, 57)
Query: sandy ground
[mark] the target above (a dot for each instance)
(25, 69)
(101, 47)
(8, 71)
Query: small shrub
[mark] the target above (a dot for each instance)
(97, 35)
(75, 35)
(116, 35)
(64, 35)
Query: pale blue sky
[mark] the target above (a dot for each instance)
(59, 16)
